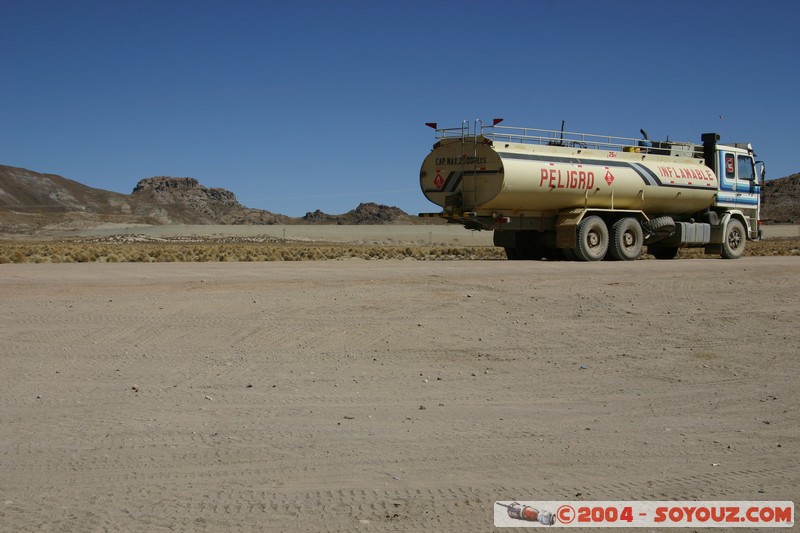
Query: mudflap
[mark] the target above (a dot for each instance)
(566, 229)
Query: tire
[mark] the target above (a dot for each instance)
(592, 239)
(626, 239)
(663, 252)
(511, 254)
(660, 227)
(735, 239)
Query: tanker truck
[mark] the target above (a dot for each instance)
(553, 194)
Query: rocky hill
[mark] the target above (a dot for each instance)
(24, 191)
(367, 213)
(781, 200)
(30, 201)
(165, 200)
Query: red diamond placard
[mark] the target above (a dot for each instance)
(438, 181)
(609, 177)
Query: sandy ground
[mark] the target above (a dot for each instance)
(389, 395)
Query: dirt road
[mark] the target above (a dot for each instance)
(389, 395)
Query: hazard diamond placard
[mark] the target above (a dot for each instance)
(438, 181)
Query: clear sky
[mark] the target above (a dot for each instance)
(303, 105)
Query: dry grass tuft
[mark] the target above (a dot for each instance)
(147, 252)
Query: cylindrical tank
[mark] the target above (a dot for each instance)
(485, 176)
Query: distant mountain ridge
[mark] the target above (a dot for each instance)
(30, 200)
(368, 213)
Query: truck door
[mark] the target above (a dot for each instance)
(737, 183)
(747, 191)
(746, 184)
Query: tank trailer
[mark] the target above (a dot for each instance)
(565, 195)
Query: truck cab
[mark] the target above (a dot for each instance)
(739, 187)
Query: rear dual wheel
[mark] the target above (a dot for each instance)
(592, 239)
(626, 239)
(623, 243)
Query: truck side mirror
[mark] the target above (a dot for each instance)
(762, 172)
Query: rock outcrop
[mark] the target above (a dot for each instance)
(184, 201)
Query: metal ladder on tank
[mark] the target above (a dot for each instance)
(469, 173)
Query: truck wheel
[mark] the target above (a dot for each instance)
(592, 239)
(626, 239)
(660, 227)
(735, 239)
(511, 254)
(663, 252)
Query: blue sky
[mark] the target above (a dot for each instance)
(304, 105)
